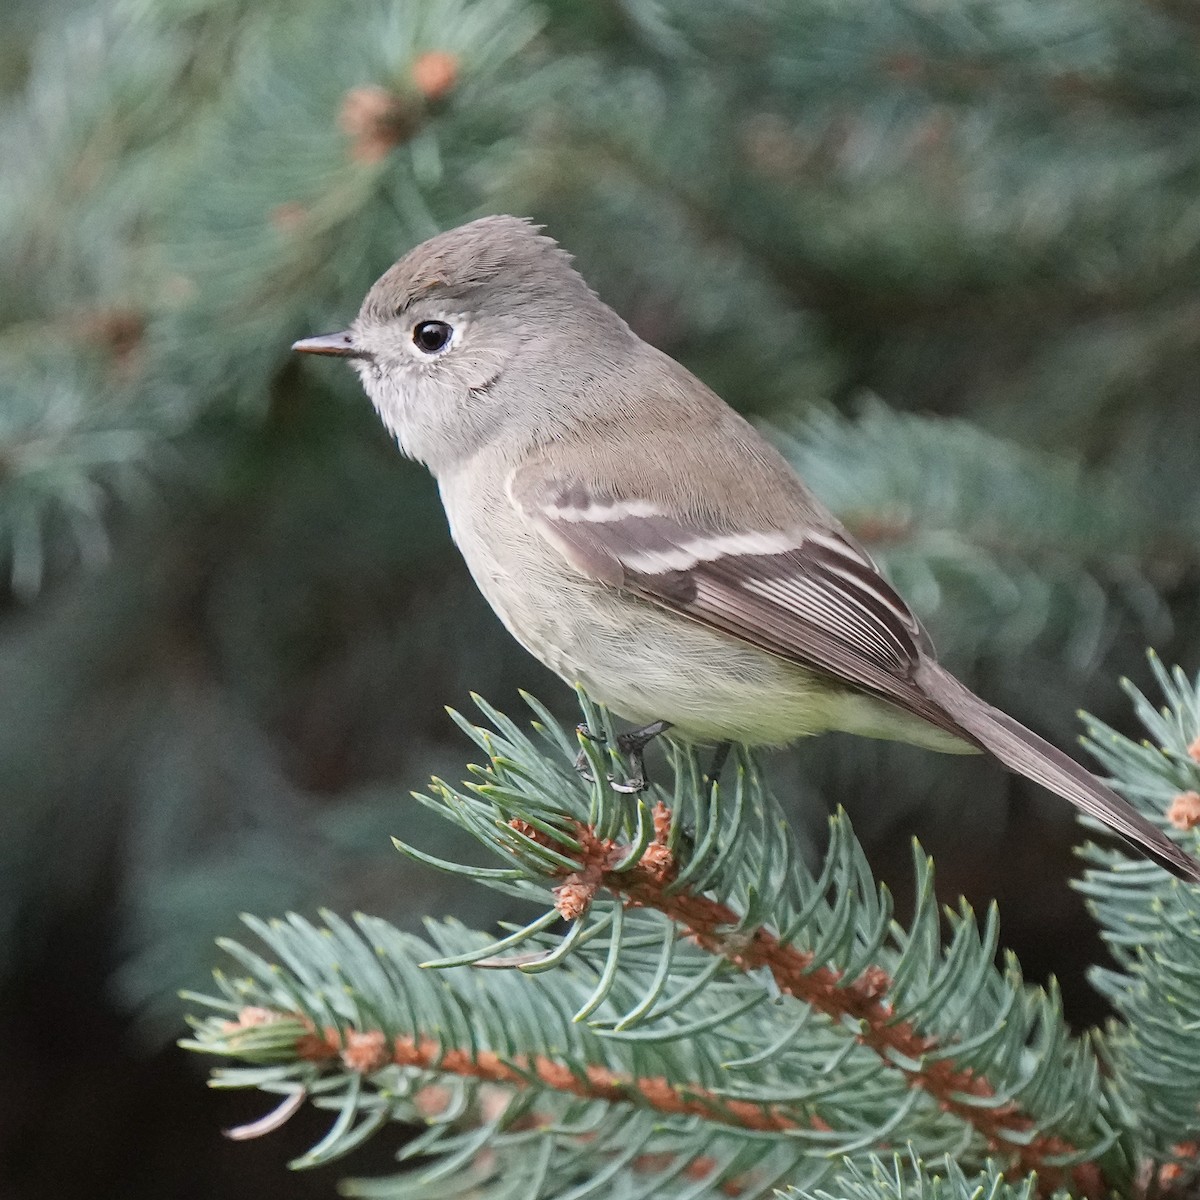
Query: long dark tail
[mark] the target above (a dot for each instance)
(1024, 752)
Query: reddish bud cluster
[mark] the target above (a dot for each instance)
(529, 831)
(435, 74)
(250, 1016)
(1173, 1172)
(119, 331)
(575, 894)
(376, 121)
(366, 1051)
(1184, 812)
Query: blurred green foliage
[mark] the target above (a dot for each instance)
(231, 614)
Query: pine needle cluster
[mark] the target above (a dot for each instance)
(695, 1011)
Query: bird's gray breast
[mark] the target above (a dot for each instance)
(551, 609)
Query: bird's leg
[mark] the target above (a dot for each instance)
(720, 755)
(633, 744)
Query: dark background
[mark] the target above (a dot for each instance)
(947, 252)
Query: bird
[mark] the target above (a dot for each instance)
(641, 538)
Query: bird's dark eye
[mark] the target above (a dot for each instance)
(432, 336)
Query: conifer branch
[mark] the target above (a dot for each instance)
(369, 1050)
(658, 999)
(926, 1063)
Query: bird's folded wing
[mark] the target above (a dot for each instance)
(807, 594)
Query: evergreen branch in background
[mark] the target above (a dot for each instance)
(709, 990)
(325, 168)
(996, 545)
(269, 184)
(264, 207)
(900, 95)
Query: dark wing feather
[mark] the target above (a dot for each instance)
(810, 596)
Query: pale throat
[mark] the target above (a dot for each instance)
(431, 420)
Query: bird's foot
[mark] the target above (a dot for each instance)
(633, 745)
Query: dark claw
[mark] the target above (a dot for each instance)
(632, 744)
(632, 786)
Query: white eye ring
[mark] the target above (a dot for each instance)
(432, 337)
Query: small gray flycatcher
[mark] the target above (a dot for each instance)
(641, 538)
